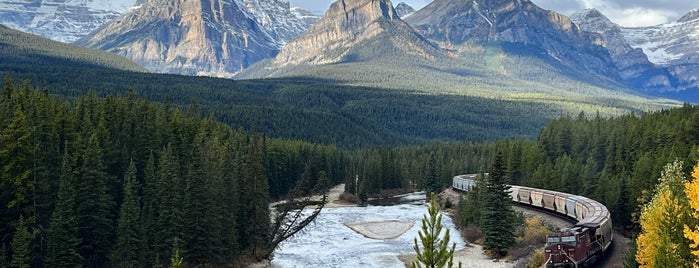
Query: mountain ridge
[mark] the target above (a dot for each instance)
(61, 20)
(346, 23)
(456, 24)
(657, 59)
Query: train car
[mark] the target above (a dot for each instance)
(573, 247)
(524, 196)
(537, 197)
(549, 200)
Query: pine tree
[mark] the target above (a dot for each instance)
(168, 195)
(661, 242)
(129, 236)
(432, 176)
(21, 243)
(198, 242)
(63, 226)
(435, 252)
(15, 159)
(259, 187)
(497, 214)
(93, 207)
(470, 208)
(149, 212)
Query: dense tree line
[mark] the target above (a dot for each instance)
(613, 160)
(122, 181)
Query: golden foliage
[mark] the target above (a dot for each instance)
(535, 232)
(692, 190)
(661, 242)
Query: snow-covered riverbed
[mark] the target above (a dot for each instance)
(328, 242)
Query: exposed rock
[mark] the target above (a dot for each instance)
(654, 59)
(278, 20)
(455, 23)
(690, 16)
(345, 25)
(404, 10)
(308, 17)
(192, 37)
(634, 66)
(61, 20)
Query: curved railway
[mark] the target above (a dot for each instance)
(578, 246)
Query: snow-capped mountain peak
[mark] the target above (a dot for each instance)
(277, 18)
(594, 21)
(668, 44)
(61, 20)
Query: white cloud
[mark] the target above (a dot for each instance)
(636, 17)
(623, 12)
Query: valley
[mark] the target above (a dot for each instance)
(158, 133)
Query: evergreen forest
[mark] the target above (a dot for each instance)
(120, 181)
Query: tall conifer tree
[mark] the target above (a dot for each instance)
(93, 207)
(129, 231)
(15, 158)
(21, 245)
(497, 214)
(63, 226)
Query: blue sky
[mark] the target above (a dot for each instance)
(623, 12)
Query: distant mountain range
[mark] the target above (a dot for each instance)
(61, 20)
(363, 42)
(658, 58)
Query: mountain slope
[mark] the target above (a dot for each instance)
(403, 10)
(634, 66)
(193, 37)
(657, 59)
(200, 37)
(61, 20)
(20, 51)
(465, 23)
(364, 43)
(279, 20)
(348, 24)
(673, 46)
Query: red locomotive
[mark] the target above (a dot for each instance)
(573, 247)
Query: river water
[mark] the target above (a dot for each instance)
(328, 242)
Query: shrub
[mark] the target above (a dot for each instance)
(347, 197)
(472, 234)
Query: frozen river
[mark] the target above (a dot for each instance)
(328, 242)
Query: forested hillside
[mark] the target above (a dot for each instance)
(616, 161)
(316, 110)
(20, 50)
(123, 182)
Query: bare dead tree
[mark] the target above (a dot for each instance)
(289, 218)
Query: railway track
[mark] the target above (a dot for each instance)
(585, 244)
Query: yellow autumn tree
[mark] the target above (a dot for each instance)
(692, 233)
(661, 242)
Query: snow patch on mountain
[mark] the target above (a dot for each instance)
(667, 44)
(277, 18)
(61, 20)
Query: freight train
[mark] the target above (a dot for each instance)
(578, 246)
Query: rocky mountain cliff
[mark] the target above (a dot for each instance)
(656, 59)
(199, 37)
(634, 66)
(345, 26)
(403, 10)
(457, 24)
(61, 20)
(278, 19)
